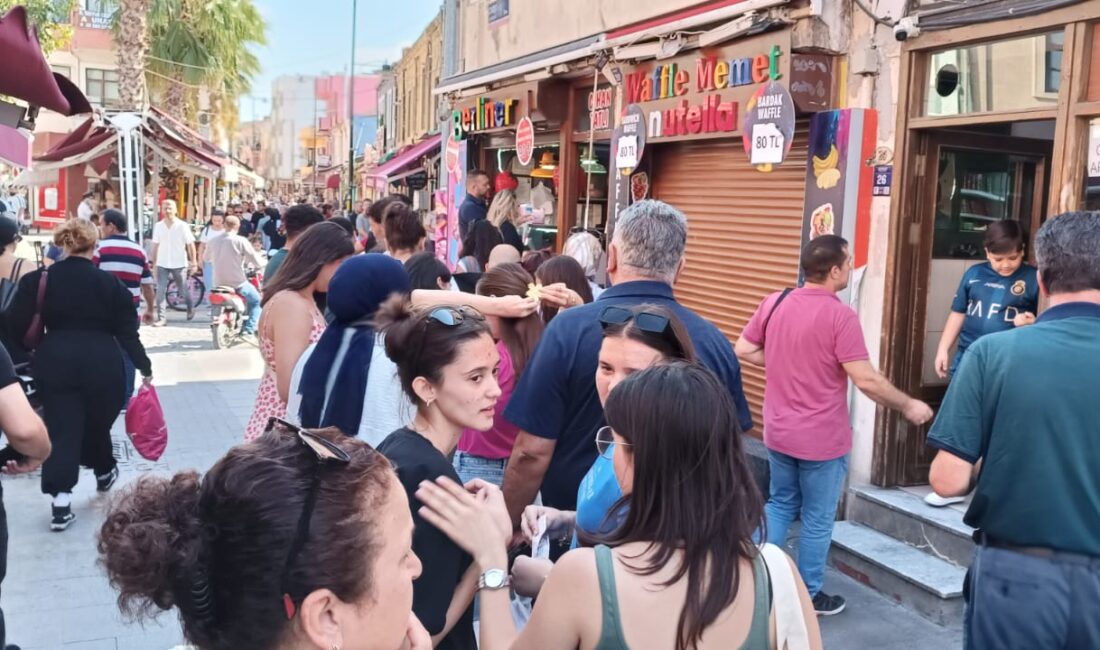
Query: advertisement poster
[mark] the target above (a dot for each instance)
(769, 126)
(456, 183)
(839, 179)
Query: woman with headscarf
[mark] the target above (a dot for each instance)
(346, 380)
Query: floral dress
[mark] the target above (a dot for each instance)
(268, 403)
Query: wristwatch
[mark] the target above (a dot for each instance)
(494, 579)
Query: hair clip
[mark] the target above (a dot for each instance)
(202, 596)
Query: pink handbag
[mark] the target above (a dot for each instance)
(145, 423)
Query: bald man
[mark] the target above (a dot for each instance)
(502, 254)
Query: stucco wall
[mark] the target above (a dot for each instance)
(532, 26)
(416, 75)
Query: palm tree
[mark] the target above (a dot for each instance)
(132, 34)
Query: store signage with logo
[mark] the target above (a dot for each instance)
(525, 141)
(702, 95)
(628, 142)
(769, 125)
(599, 108)
(485, 115)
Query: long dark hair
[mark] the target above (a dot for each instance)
(481, 240)
(426, 270)
(562, 268)
(520, 335)
(693, 489)
(320, 244)
(229, 534)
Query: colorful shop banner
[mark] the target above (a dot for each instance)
(703, 94)
(769, 126)
(839, 176)
(485, 114)
(456, 183)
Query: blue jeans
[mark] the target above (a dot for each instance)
(810, 490)
(1016, 601)
(252, 304)
(470, 467)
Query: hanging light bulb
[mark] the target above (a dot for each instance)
(591, 165)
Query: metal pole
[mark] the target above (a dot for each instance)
(351, 110)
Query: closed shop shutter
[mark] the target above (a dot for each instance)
(744, 232)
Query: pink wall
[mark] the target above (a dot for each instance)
(333, 91)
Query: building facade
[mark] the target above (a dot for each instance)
(294, 106)
(416, 75)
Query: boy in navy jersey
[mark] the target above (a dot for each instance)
(995, 296)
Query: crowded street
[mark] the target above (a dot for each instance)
(643, 325)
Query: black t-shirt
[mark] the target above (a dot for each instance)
(7, 369)
(444, 563)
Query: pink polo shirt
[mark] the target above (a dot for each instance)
(497, 442)
(808, 337)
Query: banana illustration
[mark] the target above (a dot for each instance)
(829, 162)
(828, 178)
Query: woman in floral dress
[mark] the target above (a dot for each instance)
(291, 321)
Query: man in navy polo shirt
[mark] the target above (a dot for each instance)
(555, 402)
(1024, 403)
(476, 206)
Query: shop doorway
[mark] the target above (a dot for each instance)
(963, 181)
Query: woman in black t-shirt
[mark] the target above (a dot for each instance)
(447, 363)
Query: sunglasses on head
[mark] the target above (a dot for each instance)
(453, 316)
(327, 454)
(646, 321)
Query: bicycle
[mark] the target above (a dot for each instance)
(194, 285)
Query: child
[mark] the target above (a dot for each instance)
(997, 295)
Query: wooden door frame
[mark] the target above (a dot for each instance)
(910, 167)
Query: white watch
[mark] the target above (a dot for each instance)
(494, 579)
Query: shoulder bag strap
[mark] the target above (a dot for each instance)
(790, 623)
(15, 269)
(33, 336)
(611, 629)
(775, 305)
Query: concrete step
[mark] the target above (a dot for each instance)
(937, 531)
(928, 585)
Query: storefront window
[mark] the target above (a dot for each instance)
(593, 184)
(1007, 75)
(974, 189)
(1091, 198)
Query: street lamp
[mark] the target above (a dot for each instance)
(351, 110)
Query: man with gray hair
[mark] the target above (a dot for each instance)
(555, 404)
(1023, 403)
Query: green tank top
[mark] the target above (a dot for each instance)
(611, 632)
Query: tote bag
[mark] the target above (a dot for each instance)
(145, 423)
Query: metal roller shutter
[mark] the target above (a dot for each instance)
(744, 232)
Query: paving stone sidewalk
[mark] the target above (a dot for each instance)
(55, 596)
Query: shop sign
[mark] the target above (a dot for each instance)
(883, 179)
(811, 82)
(769, 125)
(629, 140)
(485, 115)
(1094, 151)
(702, 94)
(452, 151)
(525, 141)
(417, 181)
(599, 108)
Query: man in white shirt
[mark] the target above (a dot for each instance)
(85, 210)
(173, 252)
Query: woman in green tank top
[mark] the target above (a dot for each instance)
(681, 570)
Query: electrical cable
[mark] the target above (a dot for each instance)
(875, 17)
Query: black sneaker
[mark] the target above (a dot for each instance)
(826, 605)
(62, 517)
(104, 483)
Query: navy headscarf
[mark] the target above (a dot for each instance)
(358, 288)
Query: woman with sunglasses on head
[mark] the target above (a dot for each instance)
(635, 338)
(685, 543)
(484, 453)
(291, 320)
(298, 540)
(447, 363)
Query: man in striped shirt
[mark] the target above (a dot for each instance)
(125, 259)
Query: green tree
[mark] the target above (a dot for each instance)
(50, 17)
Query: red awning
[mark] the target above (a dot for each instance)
(333, 182)
(84, 138)
(412, 154)
(25, 74)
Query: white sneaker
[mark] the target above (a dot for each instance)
(936, 501)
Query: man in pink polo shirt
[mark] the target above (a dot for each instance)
(812, 345)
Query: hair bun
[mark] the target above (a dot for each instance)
(151, 542)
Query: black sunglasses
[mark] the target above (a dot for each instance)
(452, 316)
(646, 321)
(327, 454)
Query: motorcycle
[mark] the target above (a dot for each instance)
(229, 312)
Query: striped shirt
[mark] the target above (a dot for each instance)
(126, 260)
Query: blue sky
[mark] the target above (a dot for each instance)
(313, 37)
